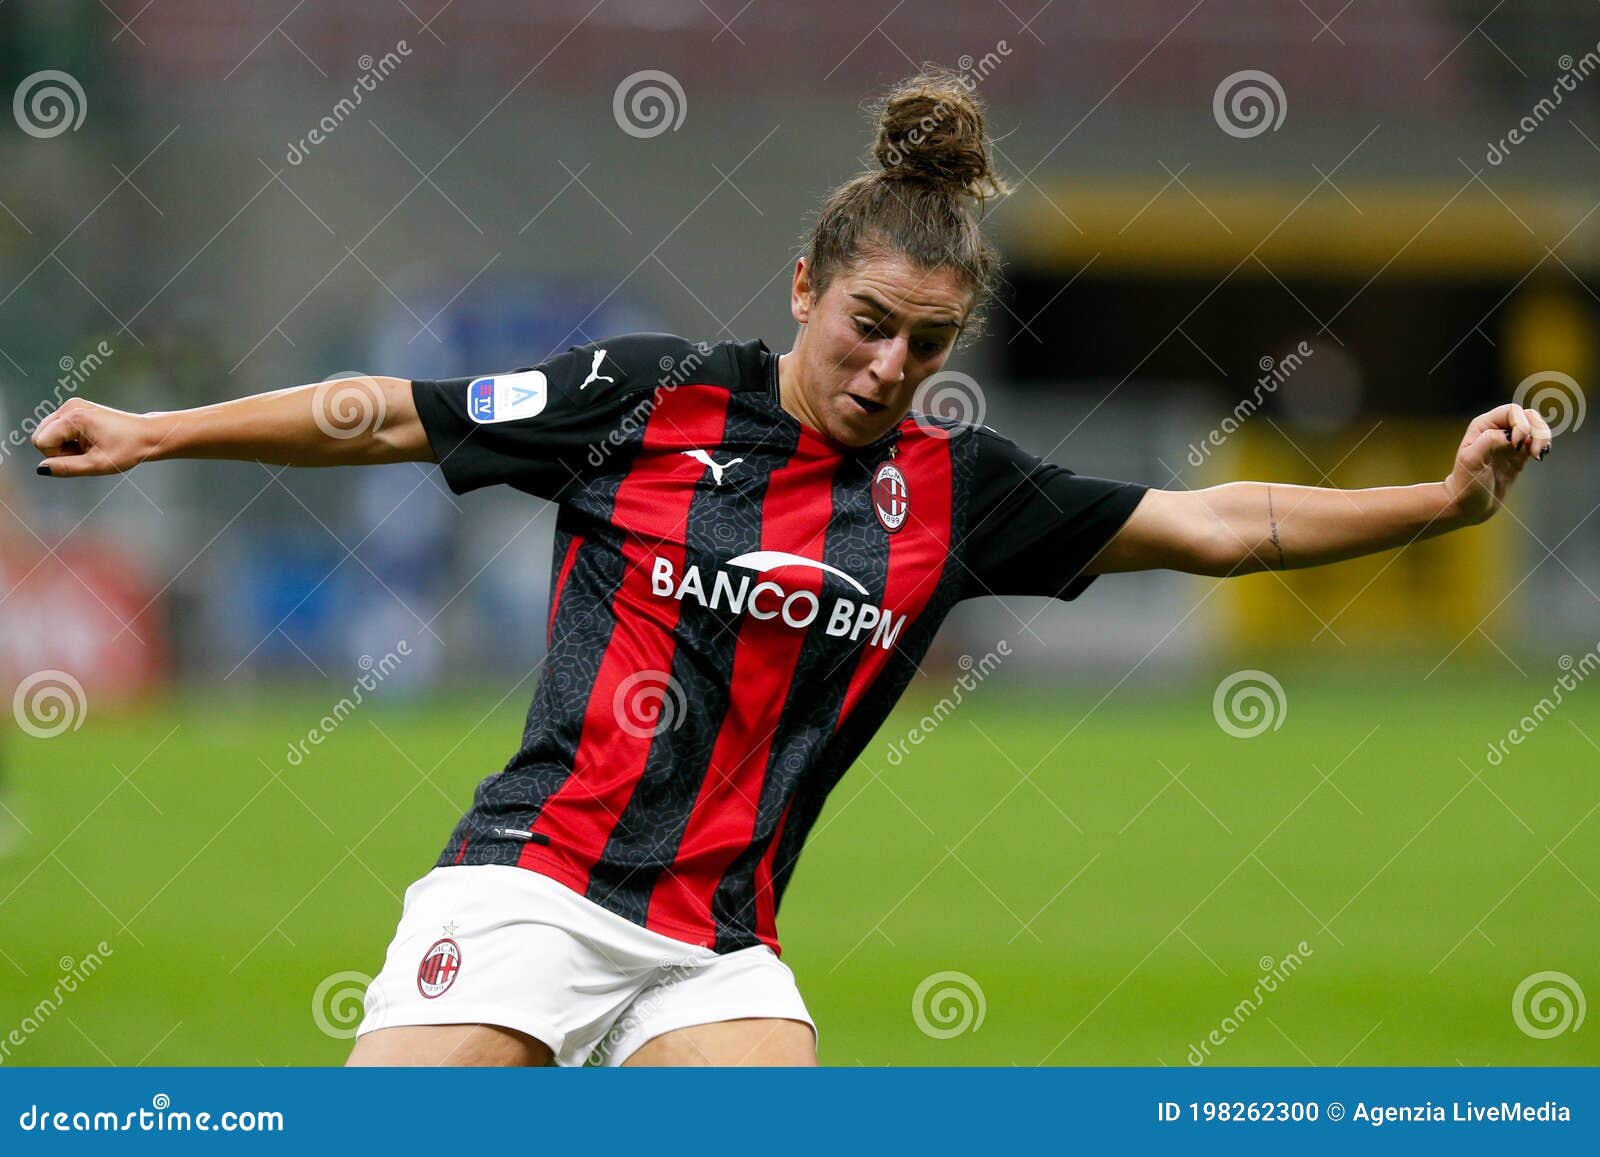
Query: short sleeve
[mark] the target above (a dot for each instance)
(548, 427)
(1033, 526)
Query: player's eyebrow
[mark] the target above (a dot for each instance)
(936, 323)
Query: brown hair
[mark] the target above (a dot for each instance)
(933, 156)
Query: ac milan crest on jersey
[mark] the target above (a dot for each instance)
(891, 499)
(439, 967)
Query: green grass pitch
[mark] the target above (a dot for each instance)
(1113, 880)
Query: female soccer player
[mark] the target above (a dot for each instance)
(753, 551)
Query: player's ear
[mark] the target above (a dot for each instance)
(800, 298)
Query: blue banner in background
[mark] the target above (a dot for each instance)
(790, 1111)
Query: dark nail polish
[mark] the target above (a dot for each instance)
(42, 469)
(1543, 452)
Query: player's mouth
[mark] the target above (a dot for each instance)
(867, 405)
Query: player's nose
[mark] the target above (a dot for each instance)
(889, 367)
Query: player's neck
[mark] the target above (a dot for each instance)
(791, 396)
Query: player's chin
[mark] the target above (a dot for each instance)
(856, 426)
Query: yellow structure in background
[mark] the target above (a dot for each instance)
(1548, 328)
(1435, 591)
(1441, 591)
(1201, 227)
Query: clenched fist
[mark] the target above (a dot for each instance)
(83, 438)
(1496, 447)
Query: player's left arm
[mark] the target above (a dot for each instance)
(1242, 527)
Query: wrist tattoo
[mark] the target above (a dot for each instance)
(1272, 524)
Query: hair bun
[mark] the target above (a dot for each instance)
(930, 129)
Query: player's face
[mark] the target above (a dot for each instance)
(870, 339)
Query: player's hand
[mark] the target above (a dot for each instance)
(82, 438)
(1496, 447)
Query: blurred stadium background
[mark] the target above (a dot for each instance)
(1089, 858)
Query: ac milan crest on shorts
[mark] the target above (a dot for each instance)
(439, 967)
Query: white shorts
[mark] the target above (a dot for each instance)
(493, 944)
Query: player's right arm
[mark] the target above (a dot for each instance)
(346, 422)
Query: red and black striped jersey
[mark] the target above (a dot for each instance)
(736, 605)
